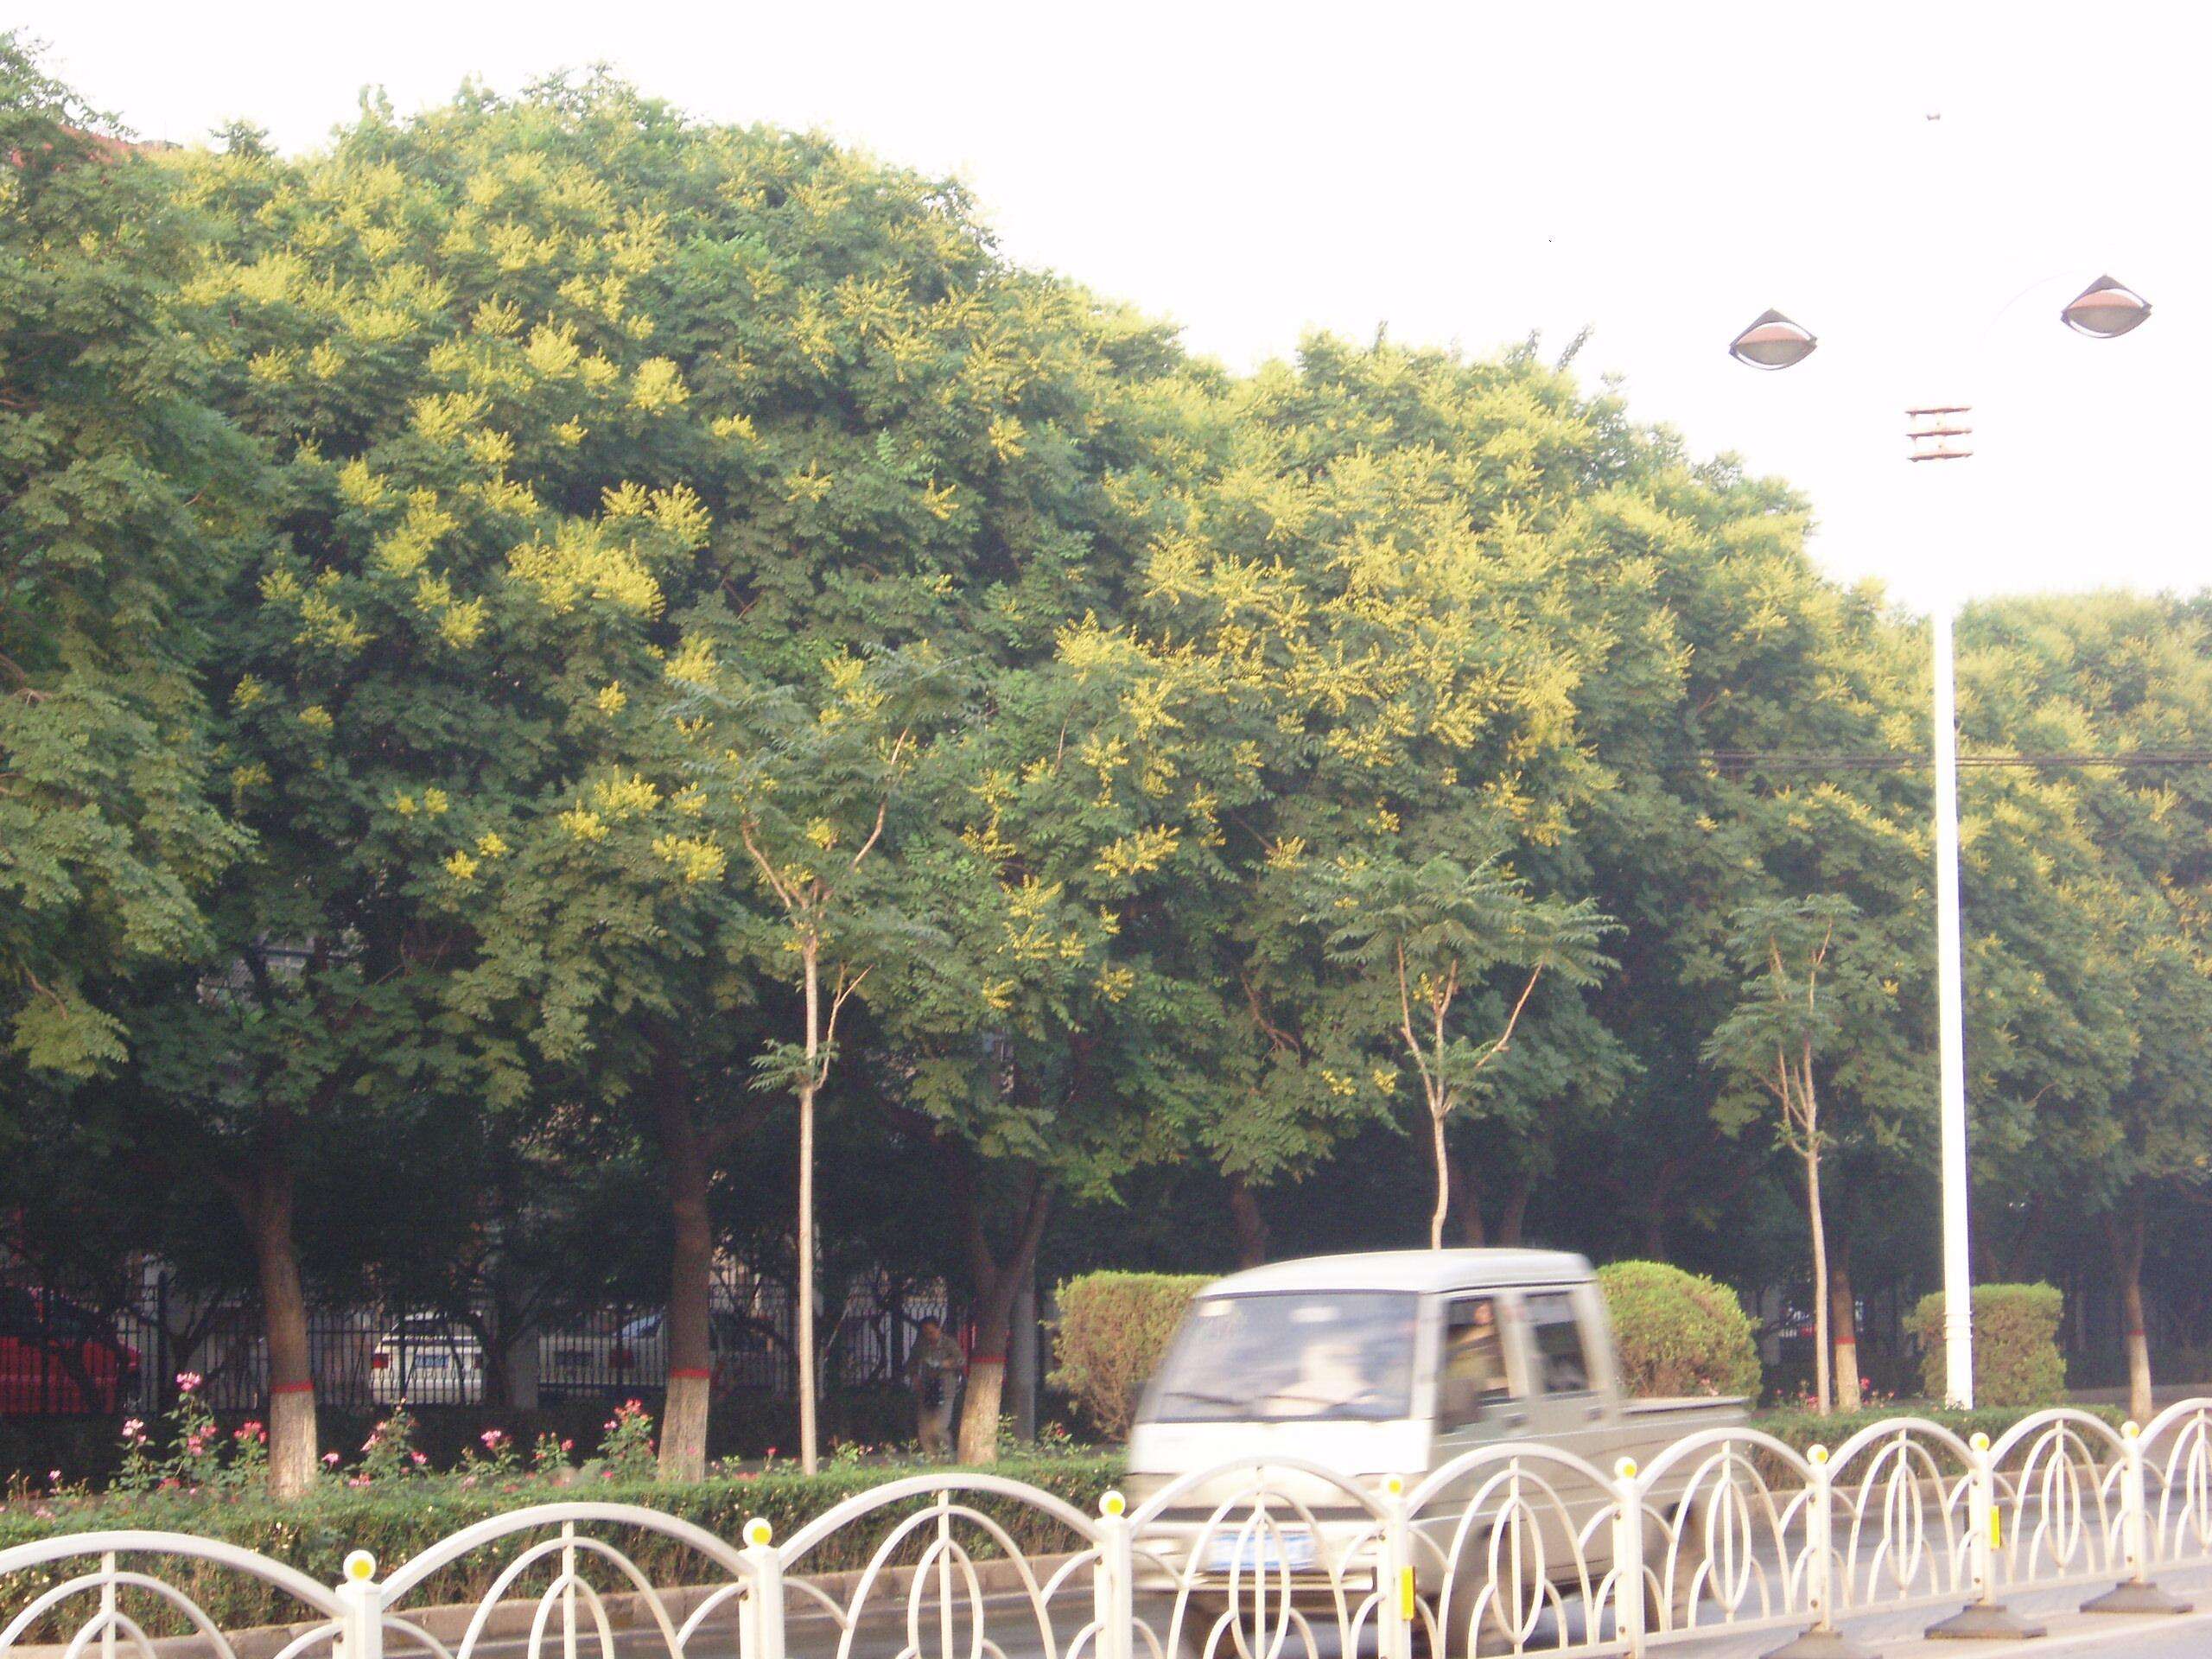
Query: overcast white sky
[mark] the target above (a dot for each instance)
(1467, 173)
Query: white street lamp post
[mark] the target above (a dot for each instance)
(2104, 310)
(1950, 1035)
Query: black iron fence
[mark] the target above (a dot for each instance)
(81, 1351)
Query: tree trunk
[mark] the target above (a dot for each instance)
(293, 1457)
(691, 1275)
(1844, 1315)
(1251, 1225)
(809, 1430)
(2126, 1232)
(1510, 1223)
(997, 1285)
(1443, 1182)
(1655, 1233)
(1467, 1198)
(1824, 1396)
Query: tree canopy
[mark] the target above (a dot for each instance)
(606, 652)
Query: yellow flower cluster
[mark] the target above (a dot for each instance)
(693, 663)
(624, 797)
(1137, 855)
(584, 562)
(697, 858)
(584, 824)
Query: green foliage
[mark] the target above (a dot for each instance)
(1679, 1333)
(2016, 1357)
(1113, 1331)
(125, 499)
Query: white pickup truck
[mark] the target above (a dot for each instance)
(1390, 1364)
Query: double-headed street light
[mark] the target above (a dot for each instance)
(2104, 310)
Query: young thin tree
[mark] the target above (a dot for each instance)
(806, 778)
(1430, 937)
(1784, 1021)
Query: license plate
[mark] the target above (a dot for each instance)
(429, 1362)
(1290, 1549)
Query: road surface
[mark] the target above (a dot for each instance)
(1010, 1626)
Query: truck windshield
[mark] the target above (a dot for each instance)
(1289, 1357)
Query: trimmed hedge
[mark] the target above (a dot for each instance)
(1679, 1333)
(1114, 1330)
(400, 1520)
(2016, 1357)
(1802, 1430)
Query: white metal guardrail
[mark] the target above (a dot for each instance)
(1513, 1549)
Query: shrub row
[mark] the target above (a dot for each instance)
(1802, 1430)
(87, 1449)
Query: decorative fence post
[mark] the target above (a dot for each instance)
(1823, 1590)
(1113, 1592)
(1985, 1618)
(760, 1618)
(1629, 1588)
(1395, 1585)
(360, 1636)
(2135, 1593)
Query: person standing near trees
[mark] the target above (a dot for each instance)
(933, 1372)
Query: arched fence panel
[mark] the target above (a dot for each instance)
(1259, 1558)
(111, 1594)
(566, 1578)
(1515, 1548)
(956, 1567)
(1899, 1495)
(2176, 1452)
(1726, 1535)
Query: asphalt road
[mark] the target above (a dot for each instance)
(1010, 1626)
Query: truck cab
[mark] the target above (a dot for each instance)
(1392, 1363)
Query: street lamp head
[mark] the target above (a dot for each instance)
(2105, 310)
(1772, 342)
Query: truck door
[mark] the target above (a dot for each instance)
(1568, 1409)
(1481, 1397)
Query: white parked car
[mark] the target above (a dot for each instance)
(426, 1359)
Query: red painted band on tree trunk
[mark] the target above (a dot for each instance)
(687, 1371)
(292, 1387)
(987, 1359)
